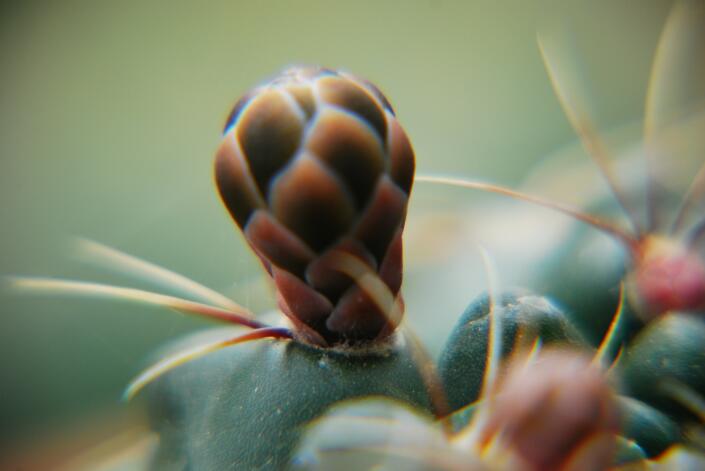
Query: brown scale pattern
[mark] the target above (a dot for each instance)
(312, 164)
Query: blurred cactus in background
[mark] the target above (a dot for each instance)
(573, 373)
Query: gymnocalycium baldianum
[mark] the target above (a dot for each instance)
(316, 171)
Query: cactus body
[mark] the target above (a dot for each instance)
(462, 363)
(653, 430)
(557, 413)
(244, 407)
(668, 353)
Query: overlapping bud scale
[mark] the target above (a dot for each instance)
(312, 164)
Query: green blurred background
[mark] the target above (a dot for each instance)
(110, 113)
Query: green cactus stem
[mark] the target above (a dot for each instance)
(244, 407)
(666, 357)
(463, 360)
(653, 430)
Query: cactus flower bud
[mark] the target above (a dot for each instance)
(668, 276)
(555, 412)
(311, 164)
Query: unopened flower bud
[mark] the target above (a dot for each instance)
(311, 164)
(555, 412)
